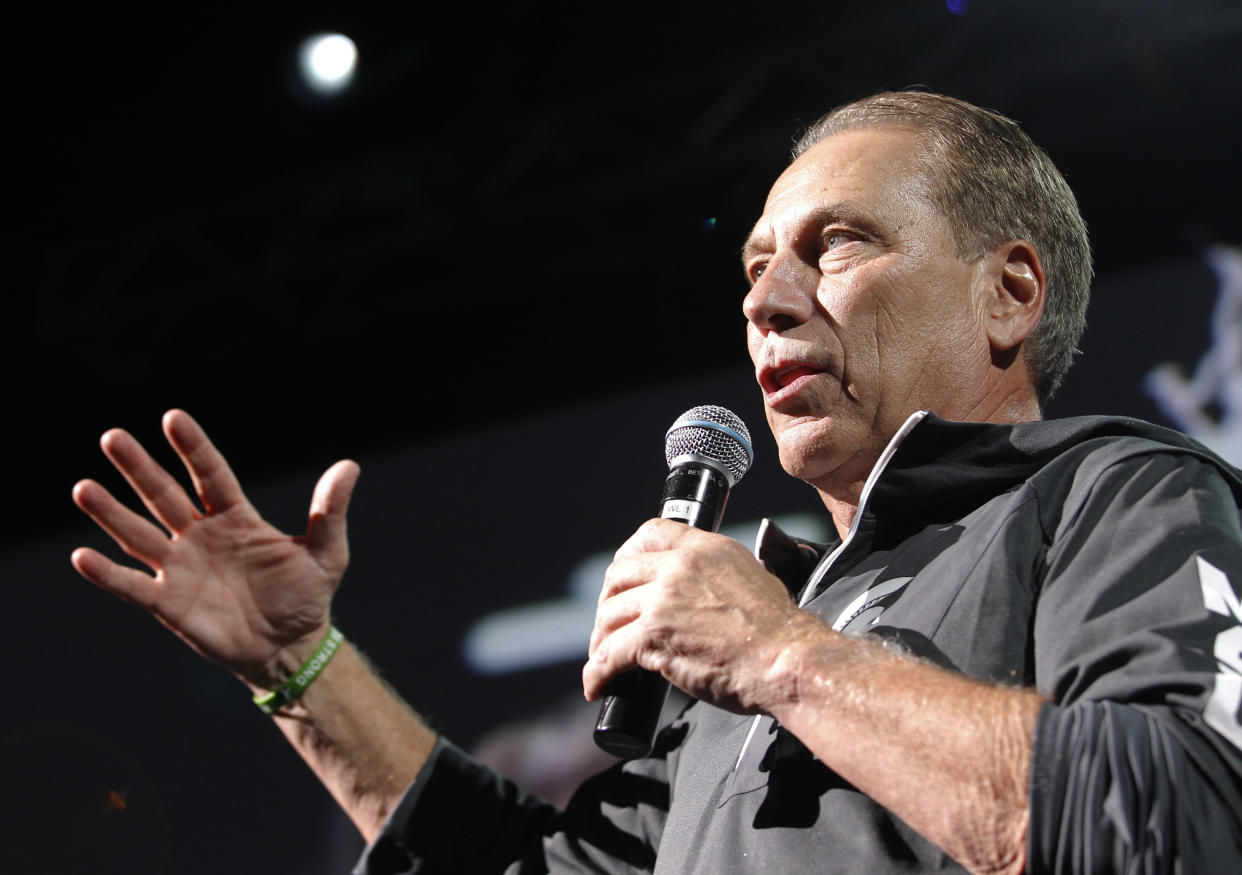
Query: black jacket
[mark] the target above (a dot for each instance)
(1094, 559)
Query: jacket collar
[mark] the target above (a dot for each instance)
(937, 467)
(945, 464)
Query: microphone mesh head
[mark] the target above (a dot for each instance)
(710, 433)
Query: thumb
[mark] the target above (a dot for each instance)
(325, 528)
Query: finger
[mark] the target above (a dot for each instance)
(629, 571)
(214, 481)
(134, 534)
(612, 614)
(657, 535)
(594, 681)
(159, 491)
(325, 528)
(617, 654)
(127, 583)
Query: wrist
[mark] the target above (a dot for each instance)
(287, 660)
(802, 671)
(270, 702)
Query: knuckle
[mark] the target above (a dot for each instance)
(608, 587)
(685, 564)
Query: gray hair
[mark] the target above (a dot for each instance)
(993, 184)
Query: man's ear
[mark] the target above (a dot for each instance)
(1015, 288)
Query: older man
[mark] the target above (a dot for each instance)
(1020, 653)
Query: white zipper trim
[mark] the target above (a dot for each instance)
(876, 470)
(872, 478)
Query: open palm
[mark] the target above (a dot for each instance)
(229, 583)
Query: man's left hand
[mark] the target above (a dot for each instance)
(699, 609)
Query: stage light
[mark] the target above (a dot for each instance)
(327, 62)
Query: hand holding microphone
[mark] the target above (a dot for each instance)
(708, 449)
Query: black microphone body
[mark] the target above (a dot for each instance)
(695, 494)
(708, 449)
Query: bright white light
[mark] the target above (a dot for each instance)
(328, 62)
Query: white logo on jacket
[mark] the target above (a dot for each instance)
(1222, 708)
(865, 610)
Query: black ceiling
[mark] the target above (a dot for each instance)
(514, 208)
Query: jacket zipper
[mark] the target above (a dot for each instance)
(828, 561)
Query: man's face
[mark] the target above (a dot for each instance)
(860, 310)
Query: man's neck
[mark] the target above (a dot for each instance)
(843, 499)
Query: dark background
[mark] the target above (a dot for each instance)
(510, 251)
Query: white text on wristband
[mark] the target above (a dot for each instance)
(270, 703)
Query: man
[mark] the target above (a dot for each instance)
(1047, 680)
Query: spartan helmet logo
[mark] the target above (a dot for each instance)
(865, 610)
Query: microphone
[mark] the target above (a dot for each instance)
(708, 449)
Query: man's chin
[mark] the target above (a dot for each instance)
(809, 461)
(824, 453)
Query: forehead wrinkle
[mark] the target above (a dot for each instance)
(900, 171)
(795, 203)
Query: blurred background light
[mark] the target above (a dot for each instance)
(327, 62)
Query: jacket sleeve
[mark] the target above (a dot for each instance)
(461, 816)
(1137, 760)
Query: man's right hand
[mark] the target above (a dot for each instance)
(239, 591)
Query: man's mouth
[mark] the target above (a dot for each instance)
(775, 380)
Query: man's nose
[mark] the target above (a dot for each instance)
(783, 296)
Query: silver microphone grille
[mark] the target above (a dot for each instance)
(710, 433)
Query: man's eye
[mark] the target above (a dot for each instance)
(835, 239)
(757, 271)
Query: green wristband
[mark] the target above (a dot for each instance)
(270, 703)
